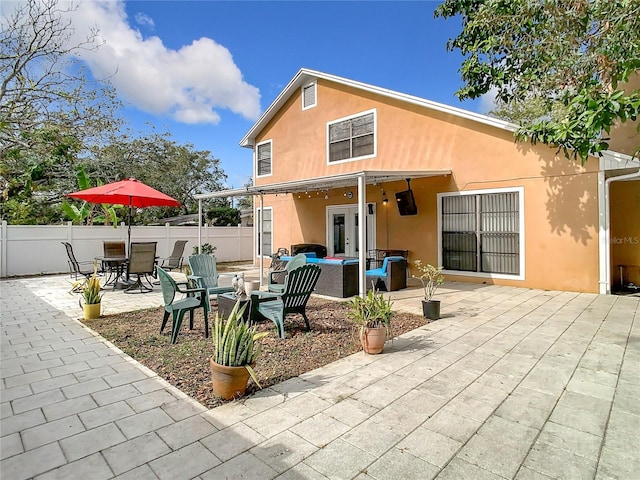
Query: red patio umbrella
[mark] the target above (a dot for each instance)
(129, 192)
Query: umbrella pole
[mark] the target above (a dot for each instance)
(129, 229)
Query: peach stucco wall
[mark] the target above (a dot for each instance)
(560, 197)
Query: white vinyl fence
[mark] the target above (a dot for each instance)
(37, 249)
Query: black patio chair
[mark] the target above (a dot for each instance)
(83, 269)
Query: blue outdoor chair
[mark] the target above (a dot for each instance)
(391, 276)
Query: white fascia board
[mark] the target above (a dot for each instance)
(611, 160)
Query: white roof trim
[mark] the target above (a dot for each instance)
(611, 160)
(324, 183)
(305, 75)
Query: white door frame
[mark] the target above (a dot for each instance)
(350, 212)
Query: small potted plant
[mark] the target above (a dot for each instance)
(431, 278)
(372, 314)
(91, 292)
(205, 249)
(236, 350)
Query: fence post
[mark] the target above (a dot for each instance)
(3, 249)
(167, 238)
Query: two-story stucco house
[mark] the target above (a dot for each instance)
(330, 151)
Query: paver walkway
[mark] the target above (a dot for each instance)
(511, 383)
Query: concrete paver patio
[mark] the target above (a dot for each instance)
(510, 383)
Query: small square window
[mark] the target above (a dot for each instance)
(309, 98)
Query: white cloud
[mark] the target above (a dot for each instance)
(488, 100)
(143, 19)
(189, 84)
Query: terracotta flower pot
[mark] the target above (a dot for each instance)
(91, 311)
(228, 382)
(372, 339)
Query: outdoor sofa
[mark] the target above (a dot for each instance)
(338, 276)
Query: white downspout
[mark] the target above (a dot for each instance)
(362, 234)
(604, 206)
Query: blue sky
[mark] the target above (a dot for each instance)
(205, 70)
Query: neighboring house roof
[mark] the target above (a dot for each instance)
(191, 219)
(305, 76)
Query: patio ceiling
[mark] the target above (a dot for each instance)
(325, 183)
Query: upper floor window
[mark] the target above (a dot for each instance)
(309, 96)
(352, 138)
(263, 159)
(482, 232)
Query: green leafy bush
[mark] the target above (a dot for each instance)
(371, 311)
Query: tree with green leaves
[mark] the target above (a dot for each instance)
(50, 109)
(156, 159)
(89, 212)
(568, 58)
(246, 202)
(223, 216)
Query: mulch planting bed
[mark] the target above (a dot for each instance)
(186, 364)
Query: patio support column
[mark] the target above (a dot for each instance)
(259, 246)
(199, 224)
(362, 234)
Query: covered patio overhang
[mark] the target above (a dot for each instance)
(359, 179)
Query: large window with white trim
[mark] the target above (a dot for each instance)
(264, 238)
(481, 232)
(263, 159)
(352, 138)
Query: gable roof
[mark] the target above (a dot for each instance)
(306, 76)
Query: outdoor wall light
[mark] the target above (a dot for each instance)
(385, 200)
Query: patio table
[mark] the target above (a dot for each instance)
(115, 268)
(226, 302)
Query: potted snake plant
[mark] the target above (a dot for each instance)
(91, 293)
(236, 350)
(372, 315)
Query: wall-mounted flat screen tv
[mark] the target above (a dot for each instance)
(406, 203)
